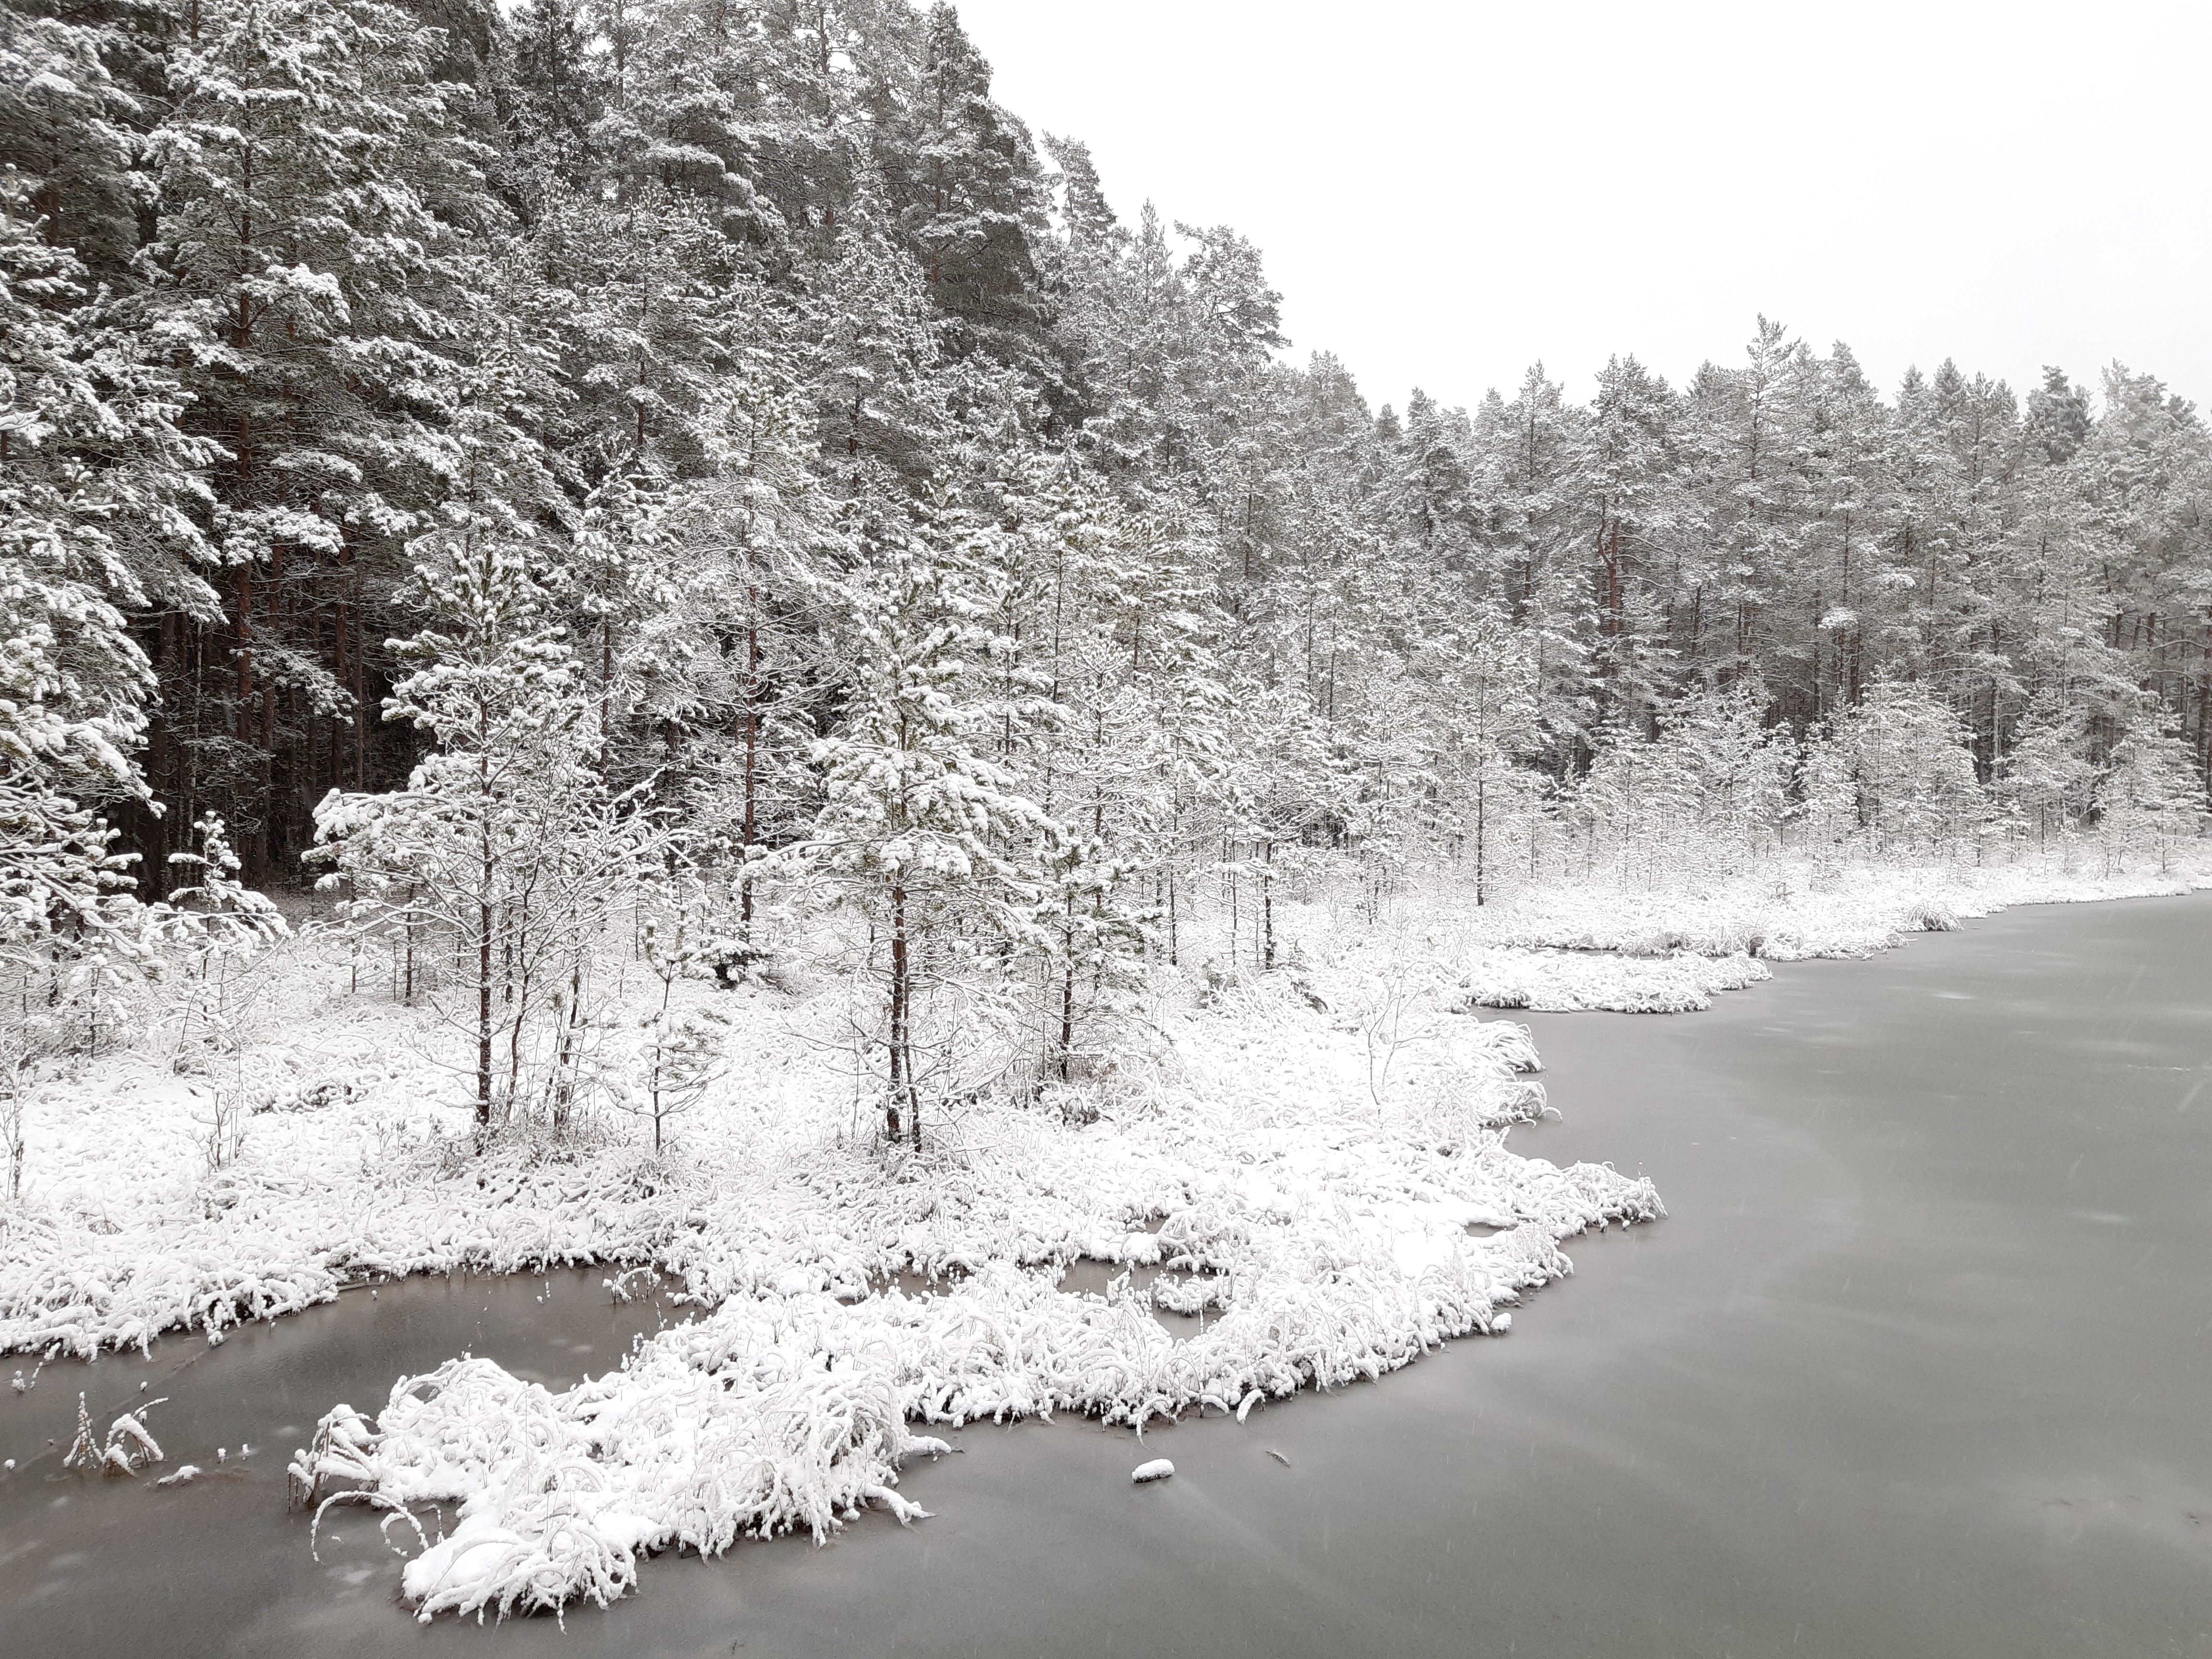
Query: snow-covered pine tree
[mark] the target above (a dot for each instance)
(506, 843)
(2045, 781)
(2059, 421)
(1524, 454)
(618, 582)
(1091, 643)
(755, 543)
(2056, 609)
(1958, 438)
(1826, 810)
(1427, 489)
(920, 835)
(1283, 783)
(1741, 543)
(213, 926)
(97, 488)
(877, 357)
(970, 202)
(1735, 769)
(544, 83)
(1633, 510)
(316, 197)
(679, 1053)
(655, 302)
(2142, 475)
(70, 131)
(1481, 679)
(1908, 756)
(1841, 430)
(2149, 796)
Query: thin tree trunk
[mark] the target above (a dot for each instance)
(1066, 1018)
(1482, 836)
(900, 1058)
(752, 748)
(1267, 911)
(484, 868)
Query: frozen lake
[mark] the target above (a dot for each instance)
(1917, 1365)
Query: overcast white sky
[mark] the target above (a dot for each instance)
(1447, 192)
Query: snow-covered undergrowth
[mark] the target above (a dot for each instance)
(1311, 1163)
(1572, 982)
(1636, 949)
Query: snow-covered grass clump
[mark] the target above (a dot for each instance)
(559, 1496)
(1566, 981)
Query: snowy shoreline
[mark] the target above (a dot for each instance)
(1314, 1158)
(1609, 948)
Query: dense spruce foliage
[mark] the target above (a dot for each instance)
(472, 451)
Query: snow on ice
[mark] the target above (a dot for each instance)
(1316, 1162)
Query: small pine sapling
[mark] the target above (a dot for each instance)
(680, 1056)
(213, 924)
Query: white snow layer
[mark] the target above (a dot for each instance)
(1301, 1157)
(1329, 1242)
(1672, 949)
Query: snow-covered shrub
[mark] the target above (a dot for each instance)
(734, 961)
(221, 1118)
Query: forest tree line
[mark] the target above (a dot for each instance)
(717, 430)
